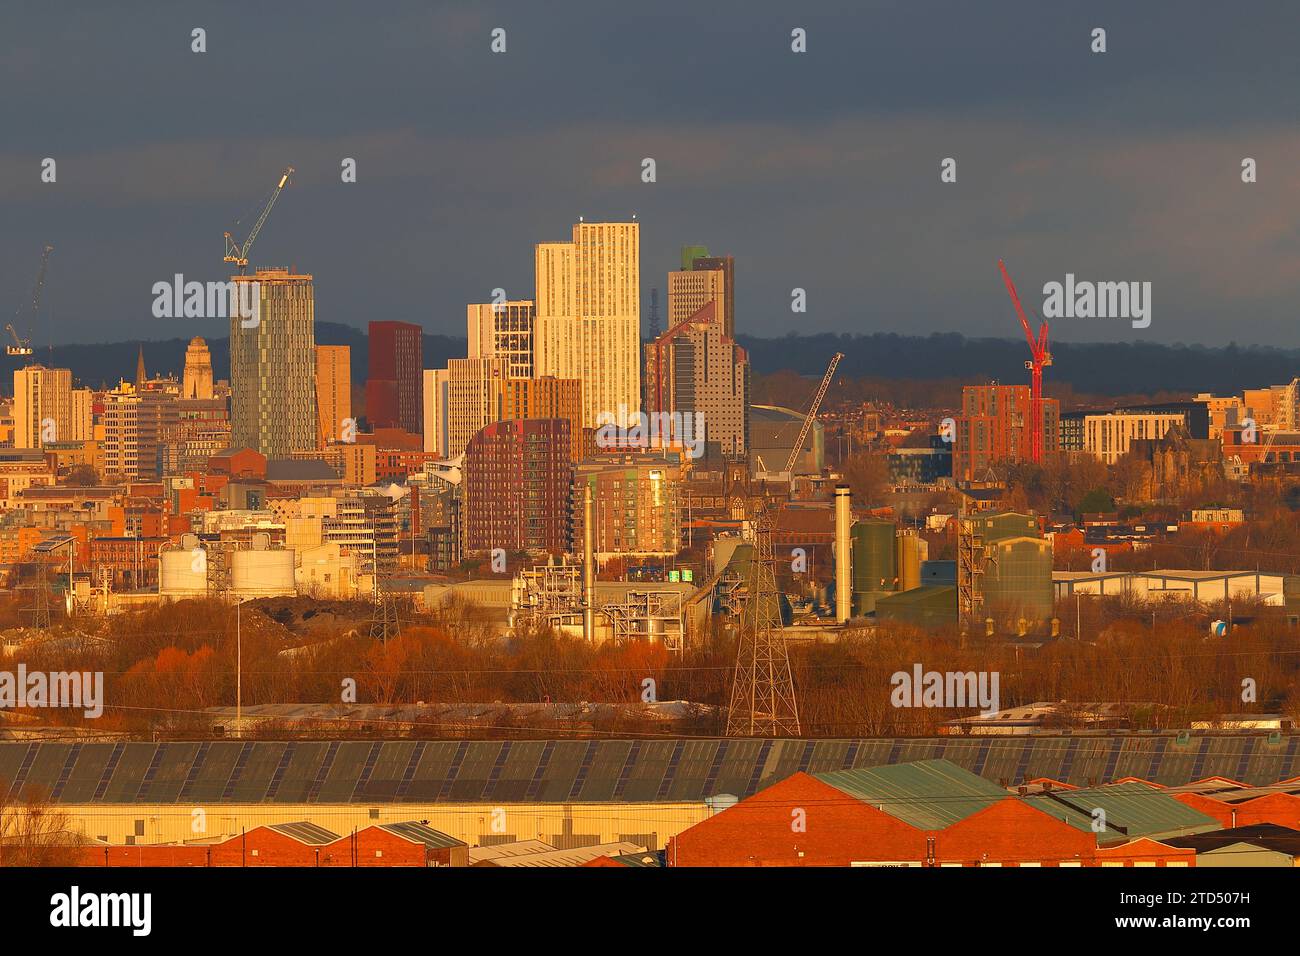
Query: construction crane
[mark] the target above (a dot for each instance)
(21, 345)
(812, 414)
(238, 254)
(1040, 358)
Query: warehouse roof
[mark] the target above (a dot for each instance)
(1131, 810)
(596, 771)
(927, 794)
(1268, 836)
(304, 832)
(417, 832)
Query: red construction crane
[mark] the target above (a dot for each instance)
(1041, 358)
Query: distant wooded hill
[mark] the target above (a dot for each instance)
(1109, 368)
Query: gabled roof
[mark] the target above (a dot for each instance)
(926, 794)
(1131, 810)
(417, 832)
(1268, 836)
(304, 832)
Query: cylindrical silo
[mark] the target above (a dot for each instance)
(262, 573)
(183, 574)
(907, 559)
(873, 563)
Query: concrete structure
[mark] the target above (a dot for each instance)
(703, 279)
(273, 365)
(1108, 436)
(843, 553)
(333, 393)
(503, 330)
(460, 400)
(547, 398)
(588, 327)
(135, 422)
(196, 378)
(48, 409)
(394, 385)
(695, 369)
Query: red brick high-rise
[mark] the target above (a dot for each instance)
(395, 383)
(518, 475)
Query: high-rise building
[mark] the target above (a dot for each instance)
(701, 280)
(459, 400)
(547, 398)
(503, 330)
(333, 391)
(48, 409)
(201, 429)
(517, 480)
(135, 422)
(394, 382)
(695, 369)
(588, 326)
(196, 379)
(994, 429)
(273, 364)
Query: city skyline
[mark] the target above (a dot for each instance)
(820, 170)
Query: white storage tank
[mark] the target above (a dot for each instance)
(183, 574)
(256, 574)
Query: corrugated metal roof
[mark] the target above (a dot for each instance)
(477, 854)
(304, 832)
(1131, 810)
(418, 832)
(927, 794)
(594, 771)
(572, 857)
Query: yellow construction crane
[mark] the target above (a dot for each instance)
(237, 253)
(812, 414)
(21, 345)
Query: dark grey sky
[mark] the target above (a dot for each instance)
(818, 170)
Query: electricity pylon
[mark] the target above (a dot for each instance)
(762, 690)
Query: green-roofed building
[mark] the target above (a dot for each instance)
(926, 794)
(1131, 810)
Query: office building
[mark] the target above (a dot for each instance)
(703, 279)
(695, 371)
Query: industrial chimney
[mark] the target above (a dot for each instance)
(588, 566)
(843, 554)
